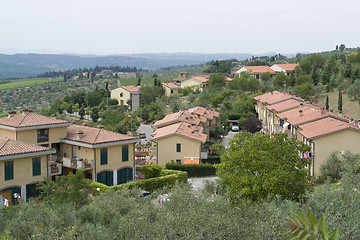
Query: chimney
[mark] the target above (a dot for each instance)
(11, 113)
(340, 114)
(301, 105)
(331, 110)
(300, 113)
(79, 134)
(26, 111)
(85, 124)
(100, 127)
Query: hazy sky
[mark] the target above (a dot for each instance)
(157, 26)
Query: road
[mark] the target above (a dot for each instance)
(226, 139)
(147, 130)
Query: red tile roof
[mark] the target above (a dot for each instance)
(200, 78)
(29, 120)
(324, 126)
(171, 85)
(181, 116)
(309, 113)
(285, 105)
(273, 97)
(94, 135)
(208, 113)
(131, 88)
(288, 66)
(181, 129)
(12, 147)
(259, 69)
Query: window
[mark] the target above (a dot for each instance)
(172, 91)
(178, 147)
(121, 94)
(124, 175)
(125, 153)
(43, 135)
(36, 164)
(178, 161)
(103, 156)
(105, 178)
(9, 170)
(79, 148)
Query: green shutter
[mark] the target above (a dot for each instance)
(9, 170)
(125, 175)
(109, 178)
(103, 156)
(105, 178)
(36, 164)
(178, 147)
(125, 153)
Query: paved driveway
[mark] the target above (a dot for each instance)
(226, 139)
(198, 183)
(147, 130)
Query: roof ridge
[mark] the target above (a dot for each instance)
(97, 136)
(1, 147)
(22, 120)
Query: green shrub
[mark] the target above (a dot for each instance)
(167, 178)
(194, 170)
(150, 171)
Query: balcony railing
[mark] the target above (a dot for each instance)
(55, 169)
(78, 163)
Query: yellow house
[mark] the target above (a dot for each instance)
(326, 136)
(267, 99)
(124, 94)
(170, 88)
(107, 157)
(22, 166)
(180, 142)
(196, 82)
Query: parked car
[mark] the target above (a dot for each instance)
(235, 128)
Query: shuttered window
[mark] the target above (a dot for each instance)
(125, 153)
(124, 175)
(9, 170)
(36, 166)
(103, 156)
(105, 178)
(178, 147)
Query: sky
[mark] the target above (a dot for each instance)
(165, 26)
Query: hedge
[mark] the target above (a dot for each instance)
(194, 170)
(167, 178)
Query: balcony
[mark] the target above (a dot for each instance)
(55, 169)
(78, 163)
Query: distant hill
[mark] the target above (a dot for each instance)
(25, 65)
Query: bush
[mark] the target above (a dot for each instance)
(150, 171)
(194, 170)
(167, 178)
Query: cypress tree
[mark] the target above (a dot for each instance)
(340, 101)
(327, 103)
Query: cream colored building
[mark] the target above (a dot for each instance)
(170, 88)
(179, 142)
(57, 147)
(127, 94)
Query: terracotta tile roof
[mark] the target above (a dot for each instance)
(171, 85)
(351, 54)
(182, 129)
(273, 97)
(209, 114)
(200, 78)
(131, 88)
(228, 79)
(12, 147)
(288, 66)
(29, 120)
(324, 126)
(259, 69)
(181, 116)
(285, 105)
(309, 113)
(94, 135)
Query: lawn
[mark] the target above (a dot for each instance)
(27, 83)
(350, 108)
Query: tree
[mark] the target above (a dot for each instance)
(82, 111)
(340, 101)
(327, 103)
(253, 124)
(305, 90)
(95, 114)
(303, 79)
(253, 84)
(88, 110)
(305, 66)
(139, 82)
(217, 81)
(75, 107)
(280, 80)
(266, 76)
(71, 188)
(258, 167)
(342, 47)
